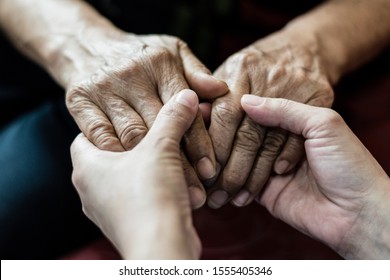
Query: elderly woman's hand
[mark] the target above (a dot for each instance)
(280, 65)
(117, 83)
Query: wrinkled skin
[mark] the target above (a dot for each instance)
(277, 66)
(120, 85)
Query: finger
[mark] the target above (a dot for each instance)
(84, 155)
(199, 149)
(249, 138)
(81, 147)
(175, 117)
(197, 142)
(196, 191)
(93, 122)
(291, 154)
(226, 116)
(205, 108)
(199, 77)
(127, 123)
(298, 118)
(262, 168)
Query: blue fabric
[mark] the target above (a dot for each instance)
(40, 213)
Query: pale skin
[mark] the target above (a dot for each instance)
(121, 198)
(301, 62)
(114, 92)
(338, 194)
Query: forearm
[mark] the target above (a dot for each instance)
(161, 233)
(348, 32)
(369, 238)
(43, 29)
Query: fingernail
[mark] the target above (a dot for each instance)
(205, 168)
(217, 199)
(187, 98)
(252, 100)
(282, 167)
(241, 198)
(207, 183)
(197, 197)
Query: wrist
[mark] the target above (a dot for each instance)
(329, 52)
(164, 234)
(74, 57)
(369, 237)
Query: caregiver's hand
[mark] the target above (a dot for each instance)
(139, 198)
(339, 193)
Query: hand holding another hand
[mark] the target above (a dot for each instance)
(277, 66)
(139, 198)
(117, 84)
(339, 193)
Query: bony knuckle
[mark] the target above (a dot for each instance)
(245, 58)
(227, 112)
(158, 55)
(76, 94)
(101, 135)
(180, 42)
(128, 69)
(248, 139)
(275, 73)
(132, 135)
(274, 142)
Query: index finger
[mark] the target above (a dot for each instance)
(197, 142)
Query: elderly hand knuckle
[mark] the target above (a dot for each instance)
(159, 55)
(77, 94)
(226, 114)
(132, 135)
(273, 144)
(248, 140)
(100, 133)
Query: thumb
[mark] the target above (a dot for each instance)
(82, 149)
(199, 77)
(298, 118)
(175, 117)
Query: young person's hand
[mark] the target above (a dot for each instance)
(339, 193)
(139, 198)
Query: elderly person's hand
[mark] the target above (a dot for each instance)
(116, 82)
(280, 65)
(119, 83)
(139, 198)
(338, 194)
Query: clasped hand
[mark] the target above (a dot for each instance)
(117, 88)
